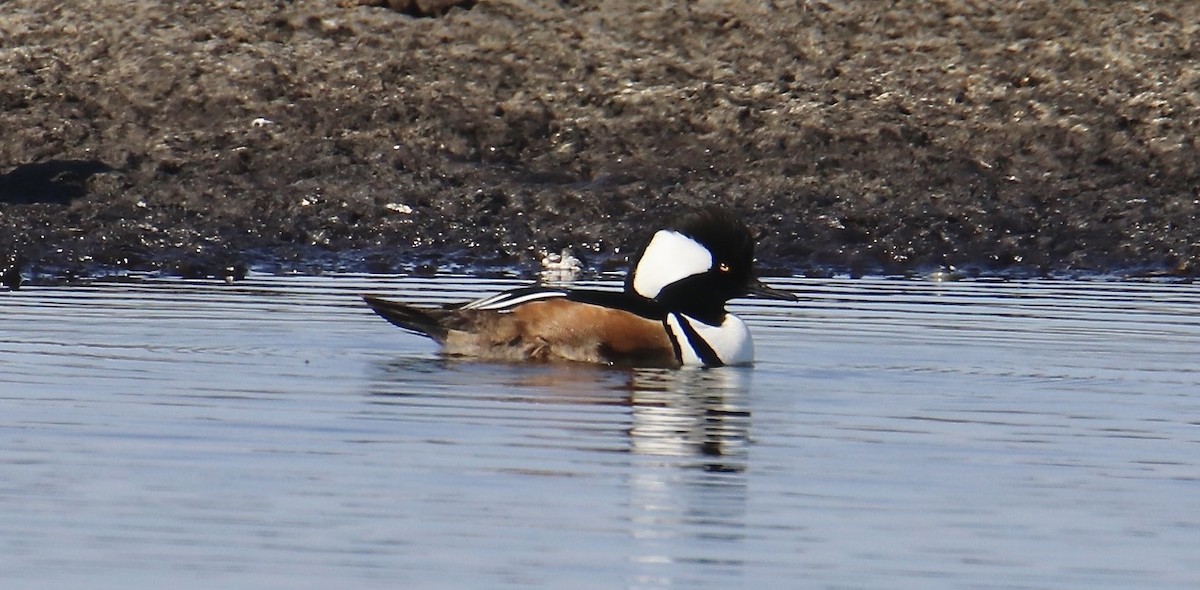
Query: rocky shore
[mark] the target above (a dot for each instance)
(1009, 137)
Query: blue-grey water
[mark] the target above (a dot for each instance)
(273, 433)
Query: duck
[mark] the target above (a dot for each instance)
(670, 313)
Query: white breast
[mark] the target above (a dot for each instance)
(730, 340)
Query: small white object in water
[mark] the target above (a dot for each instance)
(261, 122)
(945, 274)
(399, 208)
(560, 267)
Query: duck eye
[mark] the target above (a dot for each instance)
(723, 267)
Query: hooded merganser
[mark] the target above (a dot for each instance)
(671, 313)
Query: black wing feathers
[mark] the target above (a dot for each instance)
(437, 323)
(413, 319)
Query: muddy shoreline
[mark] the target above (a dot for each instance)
(1001, 138)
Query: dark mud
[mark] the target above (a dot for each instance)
(203, 138)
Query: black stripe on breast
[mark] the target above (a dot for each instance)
(707, 355)
(674, 341)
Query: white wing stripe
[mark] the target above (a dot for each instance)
(505, 301)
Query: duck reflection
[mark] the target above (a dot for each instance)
(685, 432)
(692, 413)
(687, 489)
(698, 416)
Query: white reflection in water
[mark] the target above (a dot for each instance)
(688, 492)
(692, 413)
(686, 433)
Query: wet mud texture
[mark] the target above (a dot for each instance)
(202, 138)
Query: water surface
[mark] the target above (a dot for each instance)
(894, 433)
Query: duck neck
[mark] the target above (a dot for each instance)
(712, 314)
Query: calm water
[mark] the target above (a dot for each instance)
(899, 434)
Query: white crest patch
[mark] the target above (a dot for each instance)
(669, 257)
(730, 340)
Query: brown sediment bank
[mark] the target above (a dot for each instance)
(1014, 136)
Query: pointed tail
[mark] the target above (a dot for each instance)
(420, 321)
